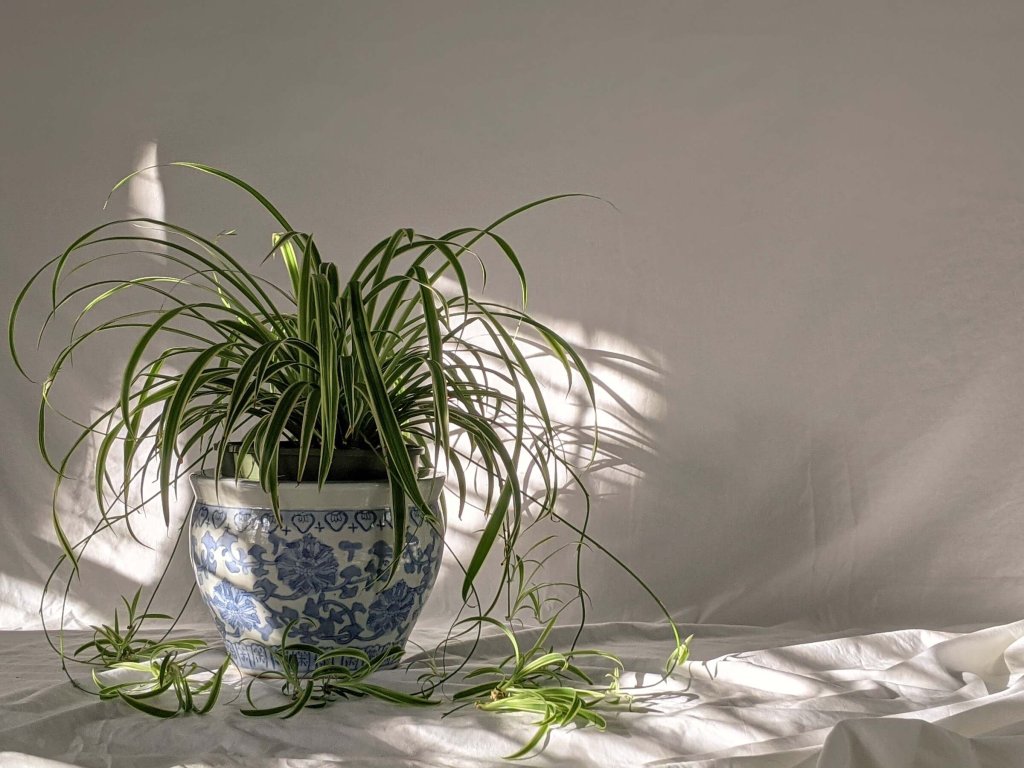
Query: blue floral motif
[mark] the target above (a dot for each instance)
(307, 565)
(350, 548)
(259, 556)
(345, 625)
(306, 628)
(389, 611)
(235, 608)
(204, 556)
(418, 559)
(350, 581)
(240, 561)
(375, 568)
(266, 588)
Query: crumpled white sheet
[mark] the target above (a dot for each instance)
(892, 699)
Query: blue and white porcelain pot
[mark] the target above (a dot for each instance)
(323, 567)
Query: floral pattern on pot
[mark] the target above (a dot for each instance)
(307, 565)
(326, 570)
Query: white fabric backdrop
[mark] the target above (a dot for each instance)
(806, 309)
(814, 274)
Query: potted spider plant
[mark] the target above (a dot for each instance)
(317, 417)
(318, 414)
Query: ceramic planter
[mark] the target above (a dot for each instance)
(324, 566)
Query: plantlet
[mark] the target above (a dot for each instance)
(543, 682)
(167, 664)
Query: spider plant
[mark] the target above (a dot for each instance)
(387, 352)
(379, 359)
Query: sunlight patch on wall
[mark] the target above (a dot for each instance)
(115, 550)
(627, 383)
(146, 191)
(629, 402)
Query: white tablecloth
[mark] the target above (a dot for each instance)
(899, 698)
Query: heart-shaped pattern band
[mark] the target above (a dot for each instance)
(244, 519)
(336, 520)
(303, 521)
(366, 519)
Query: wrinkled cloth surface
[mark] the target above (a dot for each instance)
(777, 697)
